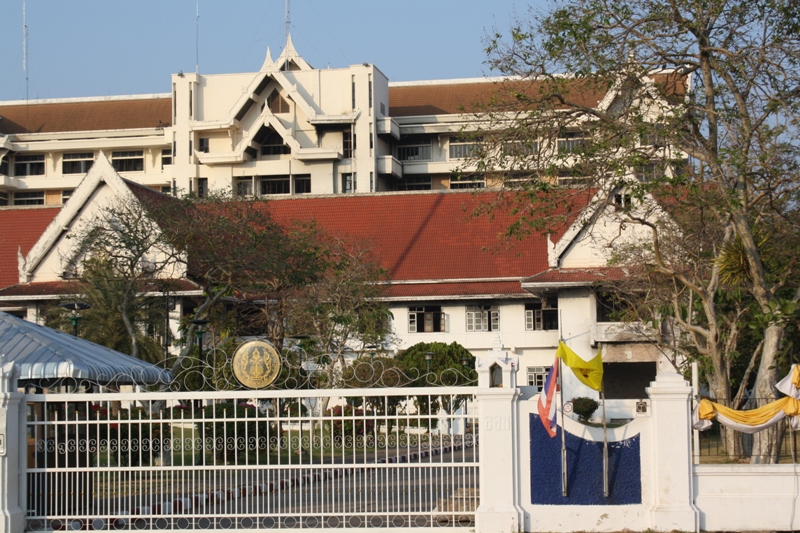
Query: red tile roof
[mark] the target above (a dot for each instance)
(426, 236)
(454, 98)
(86, 115)
(20, 228)
(42, 288)
(457, 289)
(55, 288)
(577, 275)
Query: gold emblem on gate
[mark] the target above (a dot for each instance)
(256, 364)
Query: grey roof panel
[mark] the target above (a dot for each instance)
(42, 353)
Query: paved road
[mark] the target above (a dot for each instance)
(421, 491)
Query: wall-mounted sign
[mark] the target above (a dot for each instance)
(256, 364)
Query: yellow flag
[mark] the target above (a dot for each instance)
(590, 373)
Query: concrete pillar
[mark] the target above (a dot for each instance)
(673, 496)
(12, 452)
(499, 511)
(497, 398)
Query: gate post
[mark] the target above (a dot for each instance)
(673, 493)
(498, 397)
(12, 516)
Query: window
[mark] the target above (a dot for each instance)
(536, 376)
(622, 201)
(349, 184)
(570, 143)
(29, 198)
(427, 319)
(414, 183)
(77, 163)
(132, 161)
(414, 148)
(483, 318)
(473, 181)
(166, 189)
(610, 307)
(369, 90)
(244, 186)
(202, 144)
(273, 144)
(3, 198)
(302, 184)
(277, 103)
(649, 172)
(520, 148)
(29, 165)
(275, 185)
(348, 143)
(461, 148)
(65, 195)
(166, 158)
(542, 315)
(202, 187)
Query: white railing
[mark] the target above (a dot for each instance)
(241, 460)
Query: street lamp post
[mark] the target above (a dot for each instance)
(428, 357)
(198, 404)
(75, 317)
(198, 333)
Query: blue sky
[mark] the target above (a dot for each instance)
(112, 47)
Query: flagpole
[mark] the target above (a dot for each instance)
(561, 396)
(605, 441)
(563, 433)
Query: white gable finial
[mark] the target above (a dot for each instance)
(22, 266)
(268, 62)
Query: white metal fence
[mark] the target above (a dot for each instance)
(252, 460)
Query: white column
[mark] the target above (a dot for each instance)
(12, 452)
(499, 511)
(673, 497)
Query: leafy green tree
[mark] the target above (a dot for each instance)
(438, 364)
(120, 253)
(703, 117)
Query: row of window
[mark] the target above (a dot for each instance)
(539, 316)
(33, 197)
(81, 162)
(418, 147)
(296, 184)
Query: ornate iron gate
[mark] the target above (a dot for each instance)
(350, 458)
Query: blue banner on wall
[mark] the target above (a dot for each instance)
(584, 469)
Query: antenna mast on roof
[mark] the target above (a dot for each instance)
(197, 39)
(25, 60)
(287, 21)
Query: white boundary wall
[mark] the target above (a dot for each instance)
(748, 497)
(675, 494)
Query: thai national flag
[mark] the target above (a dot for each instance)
(547, 401)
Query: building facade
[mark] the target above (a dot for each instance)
(358, 154)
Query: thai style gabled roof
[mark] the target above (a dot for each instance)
(21, 228)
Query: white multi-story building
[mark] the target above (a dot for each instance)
(347, 148)
(285, 130)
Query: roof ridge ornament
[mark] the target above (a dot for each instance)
(268, 62)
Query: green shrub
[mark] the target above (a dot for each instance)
(584, 407)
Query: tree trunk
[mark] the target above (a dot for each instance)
(767, 443)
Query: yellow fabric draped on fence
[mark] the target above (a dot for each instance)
(749, 421)
(752, 417)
